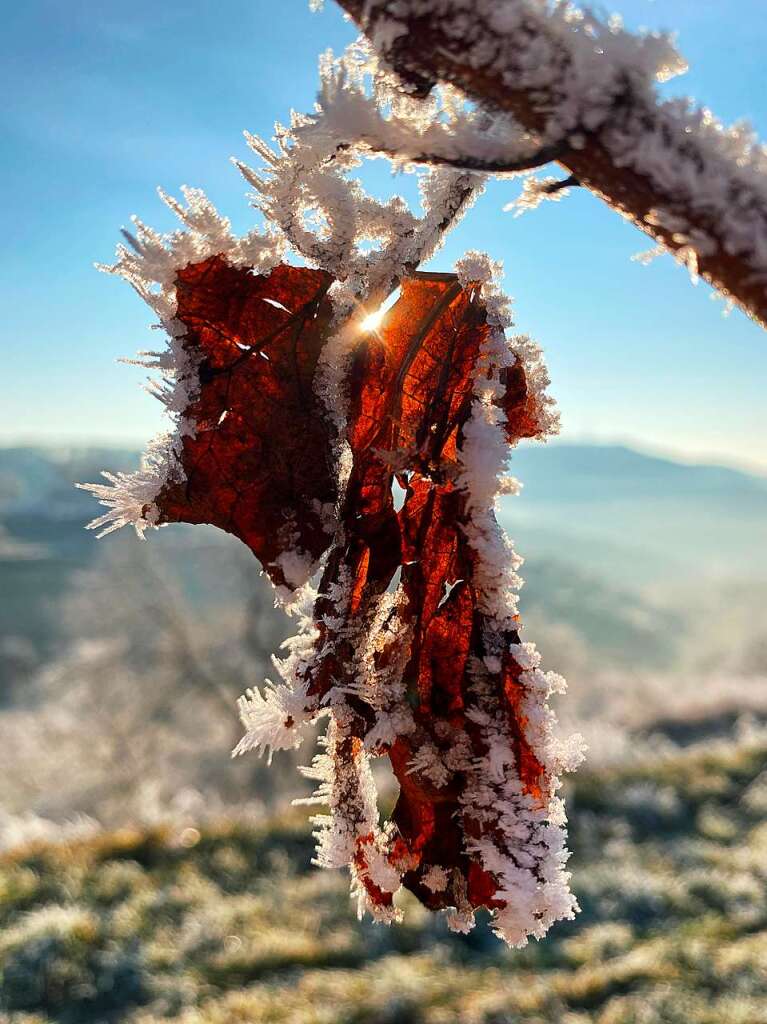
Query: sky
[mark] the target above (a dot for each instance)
(105, 101)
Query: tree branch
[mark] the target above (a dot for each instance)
(673, 171)
(558, 186)
(555, 152)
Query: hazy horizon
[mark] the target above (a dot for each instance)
(756, 468)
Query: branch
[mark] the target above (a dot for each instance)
(556, 151)
(696, 188)
(558, 186)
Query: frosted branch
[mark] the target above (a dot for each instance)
(536, 190)
(562, 73)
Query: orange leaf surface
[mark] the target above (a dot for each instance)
(413, 648)
(258, 464)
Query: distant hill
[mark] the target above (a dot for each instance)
(626, 502)
(637, 519)
(40, 481)
(582, 472)
(42, 517)
(607, 534)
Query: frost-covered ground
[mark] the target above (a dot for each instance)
(229, 923)
(120, 663)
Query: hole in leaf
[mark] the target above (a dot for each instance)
(387, 785)
(395, 580)
(398, 494)
(449, 588)
(387, 304)
(277, 305)
(373, 320)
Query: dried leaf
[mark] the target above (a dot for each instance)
(258, 464)
(413, 647)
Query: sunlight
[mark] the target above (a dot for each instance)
(373, 320)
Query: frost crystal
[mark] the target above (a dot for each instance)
(535, 191)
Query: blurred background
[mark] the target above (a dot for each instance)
(145, 876)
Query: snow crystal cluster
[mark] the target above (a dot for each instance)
(362, 106)
(524, 837)
(537, 190)
(305, 185)
(485, 447)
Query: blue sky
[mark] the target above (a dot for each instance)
(103, 102)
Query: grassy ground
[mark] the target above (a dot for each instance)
(231, 925)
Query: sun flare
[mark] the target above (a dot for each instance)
(373, 320)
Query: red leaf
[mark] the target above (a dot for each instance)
(259, 464)
(412, 648)
(411, 394)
